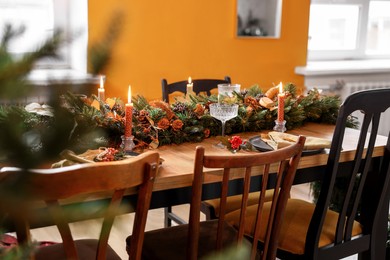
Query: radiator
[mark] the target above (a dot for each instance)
(351, 87)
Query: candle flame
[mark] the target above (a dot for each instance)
(280, 87)
(129, 95)
(101, 82)
(189, 80)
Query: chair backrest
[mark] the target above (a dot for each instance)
(199, 85)
(54, 185)
(365, 186)
(283, 162)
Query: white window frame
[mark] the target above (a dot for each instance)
(359, 52)
(78, 22)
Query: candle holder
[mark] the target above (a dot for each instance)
(280, 126)
(127, 144)
(101, 95)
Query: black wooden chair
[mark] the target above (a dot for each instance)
(312, 231)
(199, 85)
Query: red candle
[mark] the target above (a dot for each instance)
(281, 97)
(128, 115)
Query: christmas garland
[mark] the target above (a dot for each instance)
(157, 123)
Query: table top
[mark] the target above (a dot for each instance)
(176, 170)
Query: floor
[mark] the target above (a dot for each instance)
(123, 224)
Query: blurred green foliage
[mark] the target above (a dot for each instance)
(27, 141)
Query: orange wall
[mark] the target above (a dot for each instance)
(177, 39)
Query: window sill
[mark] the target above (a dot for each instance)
(44, 77)
(318, 68)
(46, 82)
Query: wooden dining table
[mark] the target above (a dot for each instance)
(176, 170)
(174, 179)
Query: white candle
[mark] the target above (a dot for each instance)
(190, 90)
(189, 85)
(101, 91)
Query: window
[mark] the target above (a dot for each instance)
(40, 19)
(35, 16)
(378, 32)
(349, 29)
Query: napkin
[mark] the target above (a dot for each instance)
(70, 158)
(279, 140)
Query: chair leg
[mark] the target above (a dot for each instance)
(205, 209)
(208, 211)
(169, 216)
(167, 220)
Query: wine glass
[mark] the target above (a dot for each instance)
(225, 93)
(223, 112)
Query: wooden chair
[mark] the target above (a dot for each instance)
(198, 239)
(199, 85)
(53, 185)
(314, 231)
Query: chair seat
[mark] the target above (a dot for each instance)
(86, 249)
(171, 243)
(294, 226)
(234, 202)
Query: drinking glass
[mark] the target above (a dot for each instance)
(225, 93)
(223, 112)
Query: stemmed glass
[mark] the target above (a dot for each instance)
(223, 112)
(225, 93)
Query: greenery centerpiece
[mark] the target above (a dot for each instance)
(157, 123)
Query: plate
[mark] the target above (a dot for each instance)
(262, 146)
(312, 152)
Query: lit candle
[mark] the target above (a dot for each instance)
(101, 94)
(128, 115)
(281, 97)
(189, 85)
(190, 90)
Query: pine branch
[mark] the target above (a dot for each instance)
(13, 72)
(100, 52)
(140, 102)
(254, 90)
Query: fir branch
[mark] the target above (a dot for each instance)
(73, 102)
(10, 33)
(13, 72)
(100, 52)
(140, 102)
(254, 90)
(291, 88)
